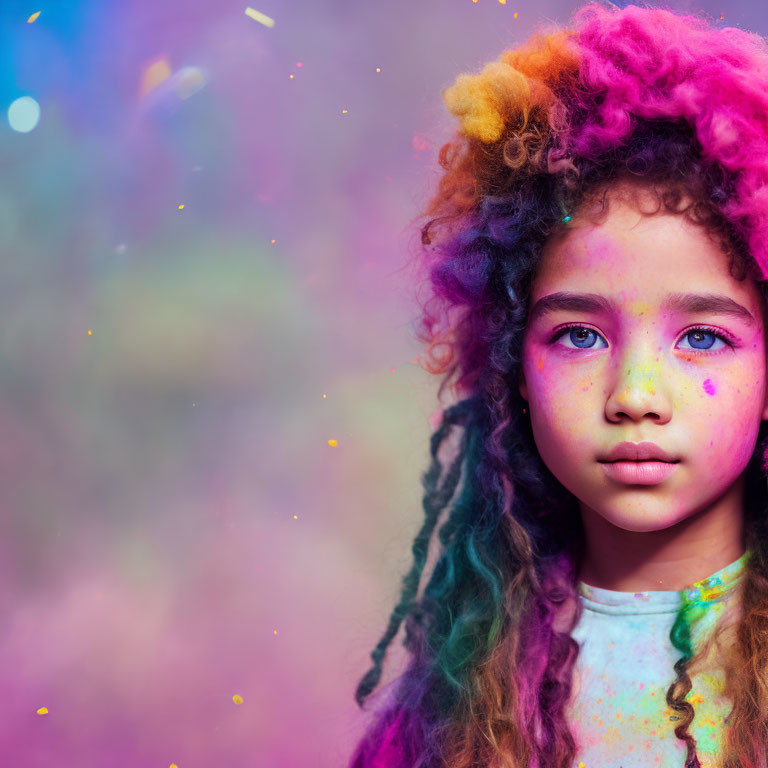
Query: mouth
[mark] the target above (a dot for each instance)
(645, 472)
(639, 461)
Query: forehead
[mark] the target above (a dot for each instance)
(637, 259)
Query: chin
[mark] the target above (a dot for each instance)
(641, 522)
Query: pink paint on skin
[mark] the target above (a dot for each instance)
(709, 387)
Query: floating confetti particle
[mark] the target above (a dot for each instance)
(23, 114)
(173, 765)
(295, 517)
(324, 395)
(33, 17)
(291, 76)
(299, 64)
(181, 206)
(515, 16)
(158, 70)
(273, 242)
(378, 69)
(260, 17)
(90, 333)
(188, 81)
(344, 111)
(42, 711)
(274, 632)
(333, 443)
(238, 699)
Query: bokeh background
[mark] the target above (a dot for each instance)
(213, 416)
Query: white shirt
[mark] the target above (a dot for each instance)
(618, 710)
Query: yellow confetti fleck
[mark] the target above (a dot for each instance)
(42, 711)
(291, 76)
(503, 2)
(273, 242)
(515, 14)
(33, 17)
(333, 443)
(155, 73)
(181, 206)
(274, 632)
(238, 699)
(378, 69)
(344, 111)
(173, 765)
(260, 17)
(90, 332)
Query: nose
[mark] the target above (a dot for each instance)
(638, 386)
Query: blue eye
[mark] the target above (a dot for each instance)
(583, 337)
(706, 332)
(579, 335)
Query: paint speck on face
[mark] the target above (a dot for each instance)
(709, 387)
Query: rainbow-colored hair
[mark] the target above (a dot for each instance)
(638, 93)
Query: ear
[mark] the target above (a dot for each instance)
(523, 387)
(765, 405)
(764, 416)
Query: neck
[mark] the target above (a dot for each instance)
(667, 559)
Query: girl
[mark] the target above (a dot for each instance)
(597, 252)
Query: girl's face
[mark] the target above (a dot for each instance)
(637, 366)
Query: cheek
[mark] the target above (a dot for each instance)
(718, 411)
(555, 387)
(561, 406)
(724, 418)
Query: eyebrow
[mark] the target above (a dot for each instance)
(713, 303)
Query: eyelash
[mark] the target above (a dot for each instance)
(727, 338)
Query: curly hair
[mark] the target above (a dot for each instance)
(636, 94)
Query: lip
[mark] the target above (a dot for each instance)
(644, 451)
(639, 472)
